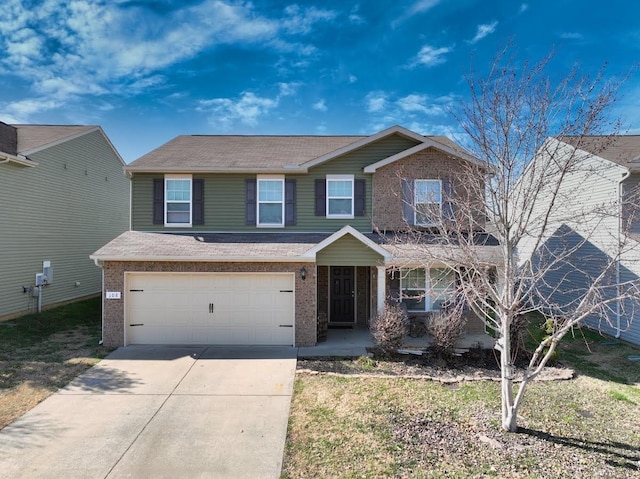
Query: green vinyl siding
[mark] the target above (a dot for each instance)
(348, 251)
(224, 194)
(73, 202)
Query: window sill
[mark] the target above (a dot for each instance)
(269, 226)
(340, 217)
(177, 225)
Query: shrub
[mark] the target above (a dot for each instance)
(390, 327)
(445, 328)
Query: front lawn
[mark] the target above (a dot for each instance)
(359, 427)
(40, 353)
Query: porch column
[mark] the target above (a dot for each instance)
(381, 288)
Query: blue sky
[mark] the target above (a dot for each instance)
(147, 71)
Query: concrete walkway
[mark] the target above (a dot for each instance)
(161, 412)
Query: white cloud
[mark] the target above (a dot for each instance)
(320, 105)
(431, 56)
(68, 50)
(419, 6)
(410, 110)
(416, 103)
(20, 111)
(484, 30)
(376, 101)
(225, 112)
(301, 20)
(523, 8)
(572, 36)
(355, 17)
(288, 89)
(422, 6)
(353, 78)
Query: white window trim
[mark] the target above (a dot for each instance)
(190, 201)
(427, 297)
(258, 202)
(415, 203)
(429, 291)
(352, 197)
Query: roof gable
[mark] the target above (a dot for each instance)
(623, 150)
(272, 154)
(347, 230)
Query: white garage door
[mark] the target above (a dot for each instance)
(209, 308)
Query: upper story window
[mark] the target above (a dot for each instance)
(339, 196)
(270, 202)
(427, 202)
(177, 199)
(426, 289)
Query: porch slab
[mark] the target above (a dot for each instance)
(344, 343)
(353, 343)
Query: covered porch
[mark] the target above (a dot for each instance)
(353, 342)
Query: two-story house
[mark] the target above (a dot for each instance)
(63, 194)
(249, 239)
(591, 234)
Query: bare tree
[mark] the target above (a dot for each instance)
(515, 228)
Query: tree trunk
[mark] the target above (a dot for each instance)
(509, 409)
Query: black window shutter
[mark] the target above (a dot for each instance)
(321, 198)
(158, 201)
(448, 201)
(359, 197)
(394, 285)
(407, 201)
(198, 202)
(250, 204)
(289, 202)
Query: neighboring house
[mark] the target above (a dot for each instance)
(250, 239)
(63, 194)
(593, 221)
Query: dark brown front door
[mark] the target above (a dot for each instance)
(342, 294)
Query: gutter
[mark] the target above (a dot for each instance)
(21, 160)
(618, 309)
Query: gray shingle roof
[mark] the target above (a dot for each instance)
(36, 136)
(240, 152)
(621, 149)
(246, 153)
(259, 247)
(136, 245)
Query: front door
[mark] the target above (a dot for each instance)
(342, 295)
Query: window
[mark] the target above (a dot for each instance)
(425, 292)
(340, 196)
(441, 286)
(177, 200)
(427, 200)
(270, 202)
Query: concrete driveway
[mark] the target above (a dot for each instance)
(155, 411)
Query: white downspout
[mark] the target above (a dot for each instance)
(618, 309)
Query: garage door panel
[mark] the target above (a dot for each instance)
(209, 308)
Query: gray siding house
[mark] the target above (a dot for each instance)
(595, 226)
(266, 239)
(63, 194)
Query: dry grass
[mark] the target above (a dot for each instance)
(342, 427)
(41, 353)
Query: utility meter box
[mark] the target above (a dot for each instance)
(47, 271)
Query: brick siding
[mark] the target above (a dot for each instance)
(305, 292)
(426, 164)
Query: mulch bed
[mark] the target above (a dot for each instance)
(474, 365)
